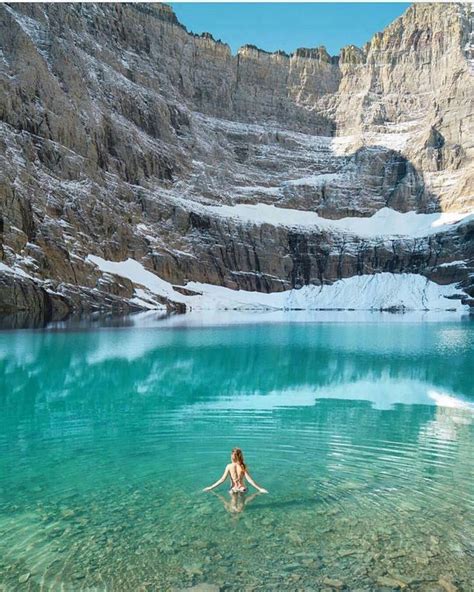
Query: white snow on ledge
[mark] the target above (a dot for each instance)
(384, 223)
(15, 271)
(313, 180)
(366, 292)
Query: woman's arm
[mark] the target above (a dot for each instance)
(252, 482)
(221, 480)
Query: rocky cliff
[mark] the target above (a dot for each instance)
(123, 135)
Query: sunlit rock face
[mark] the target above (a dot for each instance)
(120, 131)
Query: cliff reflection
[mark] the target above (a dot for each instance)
(185, 367)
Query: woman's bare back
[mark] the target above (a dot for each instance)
(237, 476)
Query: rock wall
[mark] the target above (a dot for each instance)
(270, 258)
(415, 76)
(115, 122)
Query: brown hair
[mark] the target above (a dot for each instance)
(239, 457)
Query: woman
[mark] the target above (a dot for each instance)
(237, 471)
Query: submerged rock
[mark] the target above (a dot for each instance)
(446, 584)
(333, 583)
(391, 582)
(204, 587)
(24, 578)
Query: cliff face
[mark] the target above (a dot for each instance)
(121, 134)
(416, 77)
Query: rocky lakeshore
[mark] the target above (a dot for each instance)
(88, 545)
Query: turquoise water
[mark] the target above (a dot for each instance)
(362, 433)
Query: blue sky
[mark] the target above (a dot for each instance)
(289, 25)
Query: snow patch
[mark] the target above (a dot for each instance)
(458, 263)
(394, 137)
(136, 273)
(15, 271)
(143, 298)
(384, 223)
(367, 292)
(314, 180)
(252, 189)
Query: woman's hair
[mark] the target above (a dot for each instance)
(239, 457)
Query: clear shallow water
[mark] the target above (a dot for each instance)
(362, 432)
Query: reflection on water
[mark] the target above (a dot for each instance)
(362, 433)
(211, 363)
(235, 502)
(159, 319)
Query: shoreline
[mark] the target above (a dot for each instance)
(196, 319)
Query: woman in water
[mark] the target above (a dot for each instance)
(237, 471)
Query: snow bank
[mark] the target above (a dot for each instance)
(366, 292)
(136, 273)
(384, 223)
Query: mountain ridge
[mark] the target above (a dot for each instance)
(118, 131)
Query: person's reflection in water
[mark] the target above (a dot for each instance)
(237, 501)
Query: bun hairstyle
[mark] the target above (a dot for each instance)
(237, 454)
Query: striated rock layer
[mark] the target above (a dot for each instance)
(124, 136)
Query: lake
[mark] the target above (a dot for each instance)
(361, 431)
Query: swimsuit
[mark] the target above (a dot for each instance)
(238, 489)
